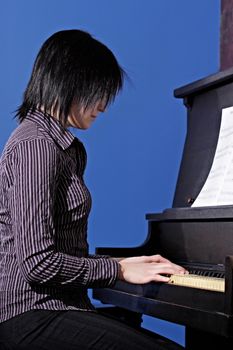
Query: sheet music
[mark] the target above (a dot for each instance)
(218, 188)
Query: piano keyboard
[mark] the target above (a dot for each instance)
(200, 282)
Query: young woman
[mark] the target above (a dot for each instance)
(45, 267)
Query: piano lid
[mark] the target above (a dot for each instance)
(207, 83)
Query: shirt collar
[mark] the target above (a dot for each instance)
(55, 129)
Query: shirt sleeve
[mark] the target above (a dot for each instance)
(35, 164)
(98, 256)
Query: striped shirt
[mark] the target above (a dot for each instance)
(44, 208)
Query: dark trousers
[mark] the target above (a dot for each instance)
(73, 330)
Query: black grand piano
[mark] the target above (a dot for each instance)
(199, 238)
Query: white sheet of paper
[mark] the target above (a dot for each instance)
(218, 188)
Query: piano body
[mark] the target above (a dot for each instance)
(199, 238)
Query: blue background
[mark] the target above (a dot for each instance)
(134, 149)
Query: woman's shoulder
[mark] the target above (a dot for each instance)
(26, 132)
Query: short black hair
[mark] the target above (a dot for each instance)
(71, 66)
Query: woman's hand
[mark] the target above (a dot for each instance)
(145, 269)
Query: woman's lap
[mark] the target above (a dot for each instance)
(73, 330)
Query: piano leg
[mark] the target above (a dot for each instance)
(131, 318)
(195, 340)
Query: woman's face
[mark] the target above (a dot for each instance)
(82, 119)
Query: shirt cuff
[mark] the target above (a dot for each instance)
(102, 272)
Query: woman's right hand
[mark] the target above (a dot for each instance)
(145, 269)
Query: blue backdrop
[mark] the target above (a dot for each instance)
(134, 149)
